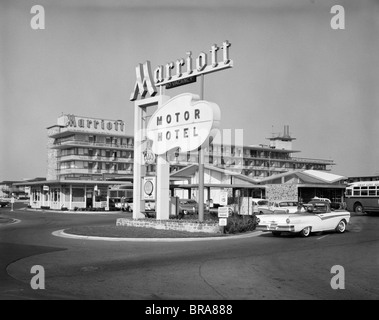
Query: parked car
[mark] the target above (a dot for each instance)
(287, 206)
(127, 205)
(4, 203)
(258, 202)
(189, 206)
(333, 205)
(124, 204)
(315, 217)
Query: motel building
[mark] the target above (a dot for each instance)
(84, 157)
(87, 158)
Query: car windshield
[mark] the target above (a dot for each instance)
(262, 203)
(319, 208)
(288, 204)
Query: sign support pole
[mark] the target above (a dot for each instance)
(201, 163)
(163, 180)
(163, 172)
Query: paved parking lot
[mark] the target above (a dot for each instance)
(259, 267)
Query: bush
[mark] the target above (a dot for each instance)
(213, 214)
(238, 223)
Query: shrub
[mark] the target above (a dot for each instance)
(238, 223)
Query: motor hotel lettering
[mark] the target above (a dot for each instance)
(97, 124)
(147, 81)
(183, 122)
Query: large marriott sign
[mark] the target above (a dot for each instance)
(182, 70)
(184, 122)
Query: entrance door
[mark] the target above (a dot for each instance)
(55, 197)
(89, 199)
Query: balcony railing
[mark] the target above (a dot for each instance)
(73, 157)
(92, 171)
(77, 142)
(307, 160)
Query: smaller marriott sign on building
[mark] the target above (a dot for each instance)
(92, 125)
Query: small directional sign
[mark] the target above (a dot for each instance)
(223, 212)
(222, 222)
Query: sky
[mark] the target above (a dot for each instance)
(290, 68)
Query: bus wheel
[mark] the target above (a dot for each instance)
(358, 208)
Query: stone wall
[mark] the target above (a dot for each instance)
(207, 227)
(282, 192)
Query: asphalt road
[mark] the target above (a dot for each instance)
(258, 267)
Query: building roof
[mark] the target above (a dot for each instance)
(191, 169)
(308, 177)
(323, 176)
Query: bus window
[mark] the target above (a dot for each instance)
(357, 191)
(364, 191)
(349, 192)
(371, 191)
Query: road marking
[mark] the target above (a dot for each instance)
(322, 237)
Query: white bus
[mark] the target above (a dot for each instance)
(362, 196)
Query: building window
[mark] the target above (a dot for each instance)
(66, 193)
(56, 195)
(36, 195)
(77, 195)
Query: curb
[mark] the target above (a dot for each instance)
(14, 221)
(76, 212)
(63, 234)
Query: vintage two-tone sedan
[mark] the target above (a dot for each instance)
(315, 216)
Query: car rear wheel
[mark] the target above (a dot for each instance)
(305, 232)
(341, 226)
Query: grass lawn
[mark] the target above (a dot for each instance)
(136, 232)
